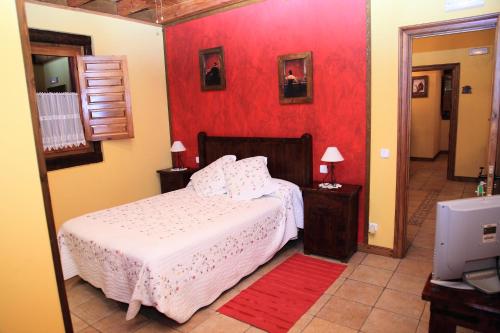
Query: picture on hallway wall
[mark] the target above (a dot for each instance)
(212, 69)
(295, 78)
(419, 86)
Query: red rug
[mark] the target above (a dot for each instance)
(278, 299)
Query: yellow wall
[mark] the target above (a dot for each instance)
(426, 118)
(387, 16)
(129, 169)
(29, 300)
(473, 109)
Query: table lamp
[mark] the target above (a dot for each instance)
(177, 149)
(332, 154)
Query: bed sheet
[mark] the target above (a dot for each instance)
(177, 251)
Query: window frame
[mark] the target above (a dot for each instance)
(68, 159)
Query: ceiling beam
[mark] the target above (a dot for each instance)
(77, 3)
(193, 8)
(127, 7)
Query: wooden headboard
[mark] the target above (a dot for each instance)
(287, 158)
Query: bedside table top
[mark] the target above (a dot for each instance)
(346, 189)
(169, 170)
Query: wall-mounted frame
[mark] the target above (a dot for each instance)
(295, 78)
(419, 86)
(212, 69)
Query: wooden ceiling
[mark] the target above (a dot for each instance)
(166, 12)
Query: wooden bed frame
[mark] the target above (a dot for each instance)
(287, 158)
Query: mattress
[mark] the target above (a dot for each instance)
(178, 251)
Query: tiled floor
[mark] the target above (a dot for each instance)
(374, 294)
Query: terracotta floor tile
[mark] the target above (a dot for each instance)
(348, 270)
(81, 293)
(412, 230)
(313, 310)
(357, 257)
(89, 329)
(359, 292)
(254, 330)
(403, 303)
(318, 325)
(95, 309)
(423, 327)
(218, 323)
(77, 323)
(424, 240)
(156, 327)
(407, 283)
(426, 315)
(372, 275)
(247, 282)
(116, 323)
(382, 321)
(420, 253)
(334, 286)
(197, 319)
(224, 298)
(73, 282)
(344, 312)
(301, 323)
(414, 268)
(381, 262)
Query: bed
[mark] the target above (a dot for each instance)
(179, 251)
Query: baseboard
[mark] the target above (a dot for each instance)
(374, 249)
(427, 159)
(464, 179)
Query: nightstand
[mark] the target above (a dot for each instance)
(174, 180)
(331, 221)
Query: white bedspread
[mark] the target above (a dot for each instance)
(177, 251)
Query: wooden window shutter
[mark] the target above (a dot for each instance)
(105, 93)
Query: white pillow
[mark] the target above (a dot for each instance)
(209, 181)
(248, 178)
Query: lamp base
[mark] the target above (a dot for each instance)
(178, 169)
(330, 186)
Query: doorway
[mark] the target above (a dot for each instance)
(445, 103)
(407, 35)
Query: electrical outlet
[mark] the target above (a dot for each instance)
(373, 228)
(323, 168)
(197, 160)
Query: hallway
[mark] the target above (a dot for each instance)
(428, 185)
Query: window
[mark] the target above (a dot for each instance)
(82, 99)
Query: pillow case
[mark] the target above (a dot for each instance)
(209, 181)
(248, 178)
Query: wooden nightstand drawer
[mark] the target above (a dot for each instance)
(174, 180)
(331, 221)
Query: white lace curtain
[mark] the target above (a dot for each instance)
(60, 120)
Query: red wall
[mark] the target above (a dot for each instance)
(253, 37)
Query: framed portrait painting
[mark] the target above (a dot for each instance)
(295, 78)
(212, 69)
(419, 86)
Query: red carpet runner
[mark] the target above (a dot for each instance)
(278, 299)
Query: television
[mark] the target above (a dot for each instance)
(467, 237)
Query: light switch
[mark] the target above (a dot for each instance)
(384, 153)
(323, 168)
(197, 160)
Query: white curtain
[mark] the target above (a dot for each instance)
(60, 120)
